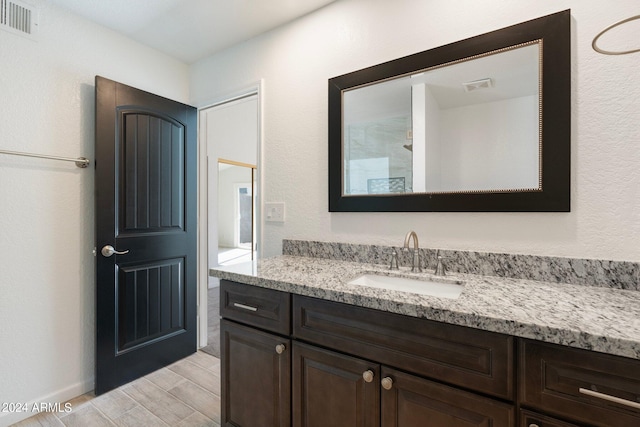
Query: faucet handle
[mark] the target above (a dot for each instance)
(394, 260)
(440, 270)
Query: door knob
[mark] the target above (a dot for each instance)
(280, 348)
(367, 376)
(387, 383)
(108, 250)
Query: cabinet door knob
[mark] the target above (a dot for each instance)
(368, 376)
(533, 425)
(280, 348)
(387, 383)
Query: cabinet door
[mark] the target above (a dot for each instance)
(532, 419)
(331, 389)
(409, 401)
(255, 376)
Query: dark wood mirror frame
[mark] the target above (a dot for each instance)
(554, 31)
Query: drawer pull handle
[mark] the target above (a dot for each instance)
(367, 375)
(387, 383)
(280, 348)
(245, 307)
(610, 398)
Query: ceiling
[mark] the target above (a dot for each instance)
(190, 30)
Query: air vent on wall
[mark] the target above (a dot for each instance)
(477, 85)
(18, 18)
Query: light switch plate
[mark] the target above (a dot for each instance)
(274, 212)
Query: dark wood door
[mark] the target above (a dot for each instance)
(330, 389)
(145, 206)
(255, 377)
(532, 419)
(410, 401)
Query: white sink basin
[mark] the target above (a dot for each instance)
(443, 288)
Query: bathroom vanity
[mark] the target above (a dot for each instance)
(302, 347)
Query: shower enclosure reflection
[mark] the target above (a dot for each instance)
(468, 126)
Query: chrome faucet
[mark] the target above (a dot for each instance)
(415, 264)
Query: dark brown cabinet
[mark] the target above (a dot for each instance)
(332, 389)
(348, 366)
(410, 401)
(532, 419)
(587, 387)
(470, 358)
(300, 361)
(255, 377)
(263, 308)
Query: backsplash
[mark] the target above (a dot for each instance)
(592, 272)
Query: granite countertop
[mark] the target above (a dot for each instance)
(593, 318)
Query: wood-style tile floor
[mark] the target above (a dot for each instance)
(184, 394)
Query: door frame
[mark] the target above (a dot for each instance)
(255, 88)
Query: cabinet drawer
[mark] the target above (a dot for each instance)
(594, 388)
(531, 419)
(470, 358)
(264, 308)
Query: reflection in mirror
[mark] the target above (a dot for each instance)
(236, 207)
(477, 125)
(469, 126)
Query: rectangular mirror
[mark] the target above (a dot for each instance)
(469, 126)
(478, 125)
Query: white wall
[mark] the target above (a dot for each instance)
(490, 146)
(47, 316)
(296, 61)
(432, 139)
(419, 108)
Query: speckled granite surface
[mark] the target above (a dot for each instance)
(589, 317)
(592, 272)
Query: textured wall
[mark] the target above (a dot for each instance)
(296, 61)
(47, 320)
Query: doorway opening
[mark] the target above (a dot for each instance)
(229, 198)
(236, 212)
